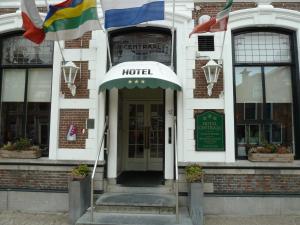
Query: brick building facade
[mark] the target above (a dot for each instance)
(228, 173)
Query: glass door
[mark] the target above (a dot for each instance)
(143, 136)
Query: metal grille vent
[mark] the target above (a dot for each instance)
(206, 43)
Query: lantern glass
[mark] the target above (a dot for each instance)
(70, 71)
(211, 71)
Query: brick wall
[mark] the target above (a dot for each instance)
(287, 5)
(196, 111)
(78, 118)
(201, 85)
(81, 82)
(7, 10)
(83, 42)
(212, 8)
(34, 179)
(246, 183)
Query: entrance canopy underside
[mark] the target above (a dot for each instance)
(140, 74)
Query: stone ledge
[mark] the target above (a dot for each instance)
(47, 162)
(245, 164)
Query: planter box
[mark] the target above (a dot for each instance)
(270, 157)
(196, 203)
(22, 154)
(79, 198)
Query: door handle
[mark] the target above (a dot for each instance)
(147, 136)
(170, 135)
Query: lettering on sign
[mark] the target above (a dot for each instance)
(209, 131)
(136, 72)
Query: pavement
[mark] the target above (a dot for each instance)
(22, 218)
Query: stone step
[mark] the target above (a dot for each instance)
(136, 203)
(161, 189)
(133, 219)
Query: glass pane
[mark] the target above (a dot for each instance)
(131, 151)
(13, 85)
(262, 47)
(132, 110)
(136, 131)
(140, 137)
(248, 84)
(20, 51)
(253, 134)
(140, 151)
(250, 111)
(141, 46)
(39, 85)
(278, 84)
(241, 134)
(11, 121)
(38, 123)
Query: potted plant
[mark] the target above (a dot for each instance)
(79, 192)
(22, 149)
(270, 153)
(194, 176)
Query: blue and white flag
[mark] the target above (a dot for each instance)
(121, 13)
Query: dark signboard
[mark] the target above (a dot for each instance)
(210, 131)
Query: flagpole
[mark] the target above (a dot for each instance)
(106, 37)
(47, 4)
(173, 38)
(223, 42)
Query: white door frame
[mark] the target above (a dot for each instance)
(113, 127)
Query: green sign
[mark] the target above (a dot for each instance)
(210, 131)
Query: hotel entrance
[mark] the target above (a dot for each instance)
(143, 135)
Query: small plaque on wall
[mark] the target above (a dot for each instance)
(209, 131)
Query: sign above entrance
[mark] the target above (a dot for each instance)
(140, 74)
(210, 131)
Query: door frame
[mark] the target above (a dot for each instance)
(147, 103)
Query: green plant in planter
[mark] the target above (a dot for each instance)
(20, 144)
(80, 171)
(194, 173)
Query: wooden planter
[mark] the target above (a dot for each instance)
(270, 157)
(22, 154)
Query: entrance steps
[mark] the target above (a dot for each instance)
(132, 207)
(161, 189)
(133, 219)
(136, 203)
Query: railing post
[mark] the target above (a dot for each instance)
(94, 169)
(176, 169)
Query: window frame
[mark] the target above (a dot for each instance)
(25, 67)
(294, 67)
(148, 29)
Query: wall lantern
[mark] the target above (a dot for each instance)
(70, 71)
(211, 72)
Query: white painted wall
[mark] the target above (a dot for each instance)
(263, 16)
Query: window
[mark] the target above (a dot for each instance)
(206, 43)
(26, 75)
(142, 44)
(263, 90)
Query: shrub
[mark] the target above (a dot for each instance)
(194, 173)
(80, 171)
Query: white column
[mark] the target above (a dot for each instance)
(169, 148)
(229, 100)
(113, 136)
(55, 98)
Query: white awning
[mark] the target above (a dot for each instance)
(140, 74)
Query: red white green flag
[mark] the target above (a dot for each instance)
(215, 24)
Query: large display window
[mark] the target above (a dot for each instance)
(264, 103)
(26, 76)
